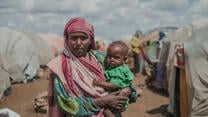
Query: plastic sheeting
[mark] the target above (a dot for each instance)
(196, 50)
(55, 42)
(42, 48)
(5, 112)
(194, 36)
(178, 37)
(21, 54)
(18, 55)
(4, 81)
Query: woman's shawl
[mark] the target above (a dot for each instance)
(76, 76)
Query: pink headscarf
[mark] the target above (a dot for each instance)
(80, 25)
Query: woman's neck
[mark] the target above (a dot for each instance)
(88, 56)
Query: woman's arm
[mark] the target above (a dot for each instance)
(113, 100)
(80, 106)
(84, 106)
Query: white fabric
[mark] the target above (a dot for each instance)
(194, 36)
(196, 50)
(42, 48)
(178, 37)
(21, 54)
(10, 113)
(4, 82)
(18, 55)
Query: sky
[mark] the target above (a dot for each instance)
(111, 19)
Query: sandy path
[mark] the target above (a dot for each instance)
(21, 100)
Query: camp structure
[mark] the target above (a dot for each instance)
(18, 55)
(42, 48)
(157, 51)
(151, 44)
(55, 42)
(152, 38)
(21, 54)
(187, 65)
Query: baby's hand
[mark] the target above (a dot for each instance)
(96, 81)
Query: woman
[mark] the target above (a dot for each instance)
(71, 92)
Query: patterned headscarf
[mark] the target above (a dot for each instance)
(79, 25)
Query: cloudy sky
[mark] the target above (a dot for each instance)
(110, 18)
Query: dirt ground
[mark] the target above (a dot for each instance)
(21, 100)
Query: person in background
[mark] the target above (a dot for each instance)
(135, 43)
(117, 73)
(70, 90)
(100, 45)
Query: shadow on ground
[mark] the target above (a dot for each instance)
(160, 110)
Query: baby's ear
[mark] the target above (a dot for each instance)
(125, 58)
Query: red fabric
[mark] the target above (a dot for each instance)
(80, 25)
(67, 73)
(93, 67)
(179, 59)
(145, 55)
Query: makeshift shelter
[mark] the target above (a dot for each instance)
(150, 49)
(4, 80)
(152, 38)
(188, 64)
(55, 42)
(163, 43)
(43, 49)
(19, 60)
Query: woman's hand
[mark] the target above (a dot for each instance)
(113, 101)
(125, 92)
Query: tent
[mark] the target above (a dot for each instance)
(43, 49)
(4, 80)
(188, 66)
(18, 56)
(55, 42)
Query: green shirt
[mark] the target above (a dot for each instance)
(120, 76)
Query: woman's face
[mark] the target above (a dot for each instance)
(78, 43)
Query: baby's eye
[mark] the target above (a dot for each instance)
(116, 57)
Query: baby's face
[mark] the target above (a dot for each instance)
(115, 56)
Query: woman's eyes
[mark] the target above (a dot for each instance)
(78, 37)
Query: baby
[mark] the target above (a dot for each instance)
(117, 73)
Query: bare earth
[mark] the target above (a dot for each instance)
(21, 100)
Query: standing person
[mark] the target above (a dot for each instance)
(71, 92)
(135, 43)
(117, 73)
